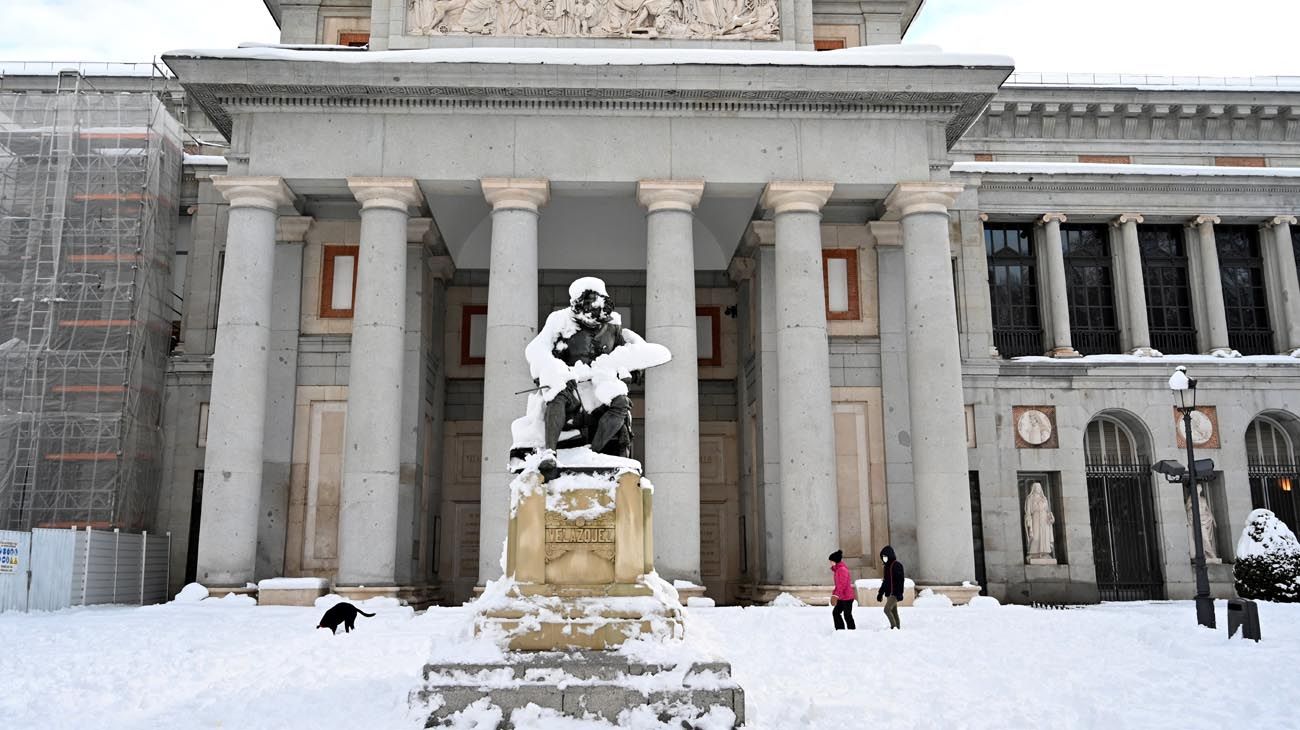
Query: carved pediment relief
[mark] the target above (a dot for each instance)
(734, 19)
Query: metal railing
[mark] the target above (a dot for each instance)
(85, 68)
(1023, 78)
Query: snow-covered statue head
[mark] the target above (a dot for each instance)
(581, 362)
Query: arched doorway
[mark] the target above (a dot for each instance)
(1273, 471)
(1125, 542)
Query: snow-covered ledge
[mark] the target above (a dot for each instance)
(291, 591)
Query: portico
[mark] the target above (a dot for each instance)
(669, 208)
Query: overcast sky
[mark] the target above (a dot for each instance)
(1206, 37)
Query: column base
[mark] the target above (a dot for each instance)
(1146, 352)
(1063, 352)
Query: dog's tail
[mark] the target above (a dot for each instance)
(363, 613)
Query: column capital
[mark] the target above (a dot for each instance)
(398, 193)
(796, 196)
(984, 217)
(264, 191)
(761, 233)
(442, 267)
(1289, 220)
(742, 268)
(922, 197)
(417, 229)
(513, 192)
(1201, 220)
(886, 233)
(1049, 217)
(292, 228)
(1129, 218)
(657, 195)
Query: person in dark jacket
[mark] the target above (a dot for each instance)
(843, 595)
(891, 585)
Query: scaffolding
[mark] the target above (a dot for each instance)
(88, 189)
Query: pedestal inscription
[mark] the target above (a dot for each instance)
(596, 535)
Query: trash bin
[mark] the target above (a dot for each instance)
(1243, 614)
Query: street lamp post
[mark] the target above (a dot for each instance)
(1181, 384)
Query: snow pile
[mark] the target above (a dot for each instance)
(1017, 167)
(679, 583)
(1268, 560)
(930, 599)
(787, 600)
(292, 584)
(873, 584)
(984, 602)
(231, 599)
(192, 593)
(483, 715)
(700, 602)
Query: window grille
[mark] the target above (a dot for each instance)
(1169, 297)
(1245, 301)
(1013, 289)
(1094, 327)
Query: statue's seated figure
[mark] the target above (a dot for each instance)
(581, 361)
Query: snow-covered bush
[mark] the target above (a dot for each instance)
(1268, 560)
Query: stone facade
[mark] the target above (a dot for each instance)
(841, 304)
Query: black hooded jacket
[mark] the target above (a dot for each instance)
(892, 578)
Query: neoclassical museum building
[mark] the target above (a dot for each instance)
(913, 299)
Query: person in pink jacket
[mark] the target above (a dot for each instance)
(843, 595)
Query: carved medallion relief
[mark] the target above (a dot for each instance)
(735, 19)
(1035, 426)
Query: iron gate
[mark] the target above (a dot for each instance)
(1125, 543)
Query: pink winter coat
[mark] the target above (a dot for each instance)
(843, 584)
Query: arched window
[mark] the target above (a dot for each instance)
(1274, 475)
(1125, 544)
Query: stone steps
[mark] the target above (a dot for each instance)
(579, 685)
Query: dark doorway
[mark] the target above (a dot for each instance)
(977, 533)
(196, 518)
(1125, 542)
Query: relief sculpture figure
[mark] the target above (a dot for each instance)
(747, 19)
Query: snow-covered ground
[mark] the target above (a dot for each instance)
(228, 664)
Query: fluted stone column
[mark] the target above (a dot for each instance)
(1139, 330)
(672, 402)
(936, 402)
(240, 360)
(368, 512)
(1284, 258)
(809, 501)
(1216, 317)
(1054, 260)
(511, 325)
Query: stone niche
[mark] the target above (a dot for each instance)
(697, 19)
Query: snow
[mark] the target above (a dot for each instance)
(1235, 357)
(700, 602)
(217, 160)
(1016, 167)
(902, 55)
(1179, 381)
(291, 584)
(192, 593)
(874, 583)
(983, 602)
(186, 665)
(1264, 534)
(930, 599)
(787, 600)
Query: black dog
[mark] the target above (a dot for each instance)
(341, 613)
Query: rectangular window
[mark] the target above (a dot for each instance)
(473, 334)
(1094, 326)
(338, 282)
(1241, 269)
(1013, 289)
(354, 39)
(708, 336)
(1295, 247)
(840, 275)
(1169, 297)
(827, 44)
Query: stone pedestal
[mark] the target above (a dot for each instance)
(579, 559)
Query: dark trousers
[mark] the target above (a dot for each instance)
(843, 614)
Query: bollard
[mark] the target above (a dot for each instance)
(1243, 614)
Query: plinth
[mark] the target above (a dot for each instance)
(579, 565)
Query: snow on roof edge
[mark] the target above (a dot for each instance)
(902, 55)
(1089, 168)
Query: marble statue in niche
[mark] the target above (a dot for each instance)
(1207, 527)
(705, 19)
(1040, 535)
